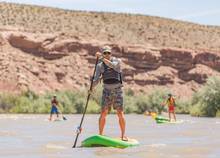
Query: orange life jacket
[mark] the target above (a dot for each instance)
(171, 101)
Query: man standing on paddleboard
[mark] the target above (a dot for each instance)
(109, 71)
(54, 107)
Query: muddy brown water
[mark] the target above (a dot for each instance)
(33, 136)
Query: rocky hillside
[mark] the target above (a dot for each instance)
(45, 49)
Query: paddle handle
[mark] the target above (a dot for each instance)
(87, 101)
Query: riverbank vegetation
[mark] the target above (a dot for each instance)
(205, 102)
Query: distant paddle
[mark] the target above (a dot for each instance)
(79, 129)
(64, 118)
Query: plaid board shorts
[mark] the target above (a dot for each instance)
(113, 97)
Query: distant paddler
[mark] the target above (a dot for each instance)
(150, 113)
(54, 107)
(170, 102)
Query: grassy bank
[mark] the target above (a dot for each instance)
(74, 102)
(205, 102)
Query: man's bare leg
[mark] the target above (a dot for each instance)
(122, 124)
(174, 115)
(102, 120)
(169, 117)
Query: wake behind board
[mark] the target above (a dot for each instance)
(57, 120)
(105, 141)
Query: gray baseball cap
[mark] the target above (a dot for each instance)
(106, 49)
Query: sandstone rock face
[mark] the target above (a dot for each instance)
(43, 62)
(44, 49)
(38, 47)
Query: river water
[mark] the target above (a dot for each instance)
(33, 136)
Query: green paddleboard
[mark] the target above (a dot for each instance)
(160, 118)
(169, 122)
(105, 141)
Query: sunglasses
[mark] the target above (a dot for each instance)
(105, 53)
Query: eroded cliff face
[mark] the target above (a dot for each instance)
(44, 62)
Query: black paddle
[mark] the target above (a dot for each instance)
(64, 118)
(84, 112)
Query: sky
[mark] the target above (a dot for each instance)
(205, 12)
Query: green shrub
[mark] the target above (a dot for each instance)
(207, 99)
(7, 101)
(93, 107)
(129, 92)
(79, 106)
(156, 98)
(142, 104)
(30, 95)
(183, 106)
(218, 113)
(41, 105)
(97, 94)
(197, 110)
(151, 102)
(22, 105)
(129, 104)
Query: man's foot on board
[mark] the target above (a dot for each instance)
(124, 138)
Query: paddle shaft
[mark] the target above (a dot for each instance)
(64, 118)
(87, 101)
